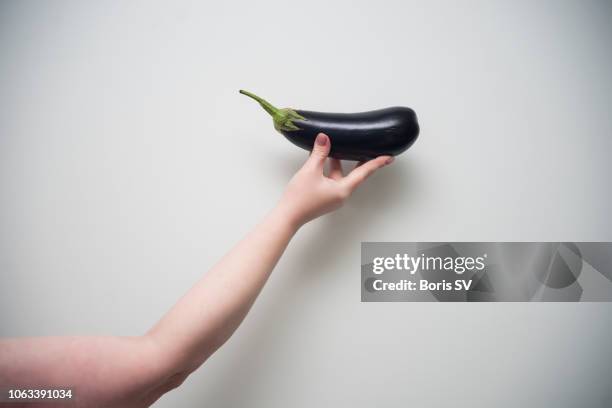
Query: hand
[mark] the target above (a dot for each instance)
(310, 193)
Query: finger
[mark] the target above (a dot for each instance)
(335, 169)
(359, 163)
(361, 173)
(320, 151)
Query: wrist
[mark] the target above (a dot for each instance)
(284, 214)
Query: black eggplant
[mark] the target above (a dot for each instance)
(354, 136)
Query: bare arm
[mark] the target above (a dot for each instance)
(137, 371)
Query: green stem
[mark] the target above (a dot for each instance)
(283, 118)
(268, 107)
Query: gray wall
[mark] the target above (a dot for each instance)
(129, 164)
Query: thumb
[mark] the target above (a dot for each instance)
(320, 150)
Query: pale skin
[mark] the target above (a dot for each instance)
(136, 371)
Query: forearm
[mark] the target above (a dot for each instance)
(212, 310)
(206, 316)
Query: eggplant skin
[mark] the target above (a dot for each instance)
(354, 136)
(358, 136)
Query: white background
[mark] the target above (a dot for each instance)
(129, 164)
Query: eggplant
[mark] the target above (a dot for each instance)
(354, 136)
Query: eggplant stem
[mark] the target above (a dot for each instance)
(268, 107)
(282, 118)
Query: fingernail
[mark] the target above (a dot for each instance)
(389, 161)
(321, 139)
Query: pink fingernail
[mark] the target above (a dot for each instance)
(321, 139)
(389, 161)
